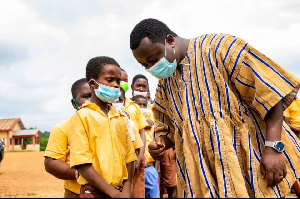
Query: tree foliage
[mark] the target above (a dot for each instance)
(44, 140)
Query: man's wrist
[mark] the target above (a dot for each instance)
(278, 146)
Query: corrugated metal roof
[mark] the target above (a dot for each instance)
(26, 132)
(9, 124)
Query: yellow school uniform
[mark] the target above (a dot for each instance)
(149, 136)
(103, 141)
(293, 112)
(58, 148)
(139, 120)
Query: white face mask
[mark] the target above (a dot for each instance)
(135, 93)
(144, 111)
(118, 106)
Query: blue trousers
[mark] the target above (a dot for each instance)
(151, 183)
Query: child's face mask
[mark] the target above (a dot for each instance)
(144, 111)
(107, 93)
(135, 93)
(76, 104)
(118, 105)
(124, 85)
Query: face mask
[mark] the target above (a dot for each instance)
(124, 85)
(144, 111)
(76, 104)
(107, 93)
(135, 93)
(118, 106)
(163, 68)
(148, 103)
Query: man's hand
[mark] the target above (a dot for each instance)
(272, 166)
(157, 148)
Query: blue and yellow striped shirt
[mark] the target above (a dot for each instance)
(213, 109)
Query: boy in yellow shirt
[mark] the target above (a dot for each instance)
(151, 174)
(137, 117)
(57, 153)
(101, 149)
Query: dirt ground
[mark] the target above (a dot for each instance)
(22, 174)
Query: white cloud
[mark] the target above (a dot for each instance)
(49, 43)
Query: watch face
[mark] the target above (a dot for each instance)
(279, 146)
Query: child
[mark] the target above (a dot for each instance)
(137, 117)
(57, 154)
(134, 136)
(167, 163)
(151, 175)
(101, 149)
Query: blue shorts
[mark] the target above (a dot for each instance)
(151, 183)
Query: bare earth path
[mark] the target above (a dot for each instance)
(22, 174)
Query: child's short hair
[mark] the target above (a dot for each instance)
(76, 85)
(137, 97)
(94, 66)
(138, 77)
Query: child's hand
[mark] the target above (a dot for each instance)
(121, 195)
(150, 122)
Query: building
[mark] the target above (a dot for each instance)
(13, 132)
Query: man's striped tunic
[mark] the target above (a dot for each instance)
(213, 109)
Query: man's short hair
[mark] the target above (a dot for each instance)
(154, 29)
(95, 65)
(76, 86)
(138, 77)
(137, 97)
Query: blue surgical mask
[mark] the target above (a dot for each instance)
(118, 106)
(107, 93)
(163, 68)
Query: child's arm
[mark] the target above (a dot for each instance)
(93, 177)
(59, 169)
(142, 149)
(128, 184)
(296, 130)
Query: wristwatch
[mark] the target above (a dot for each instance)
(277, 145)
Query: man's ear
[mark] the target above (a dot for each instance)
(73, 104)
(170, 40)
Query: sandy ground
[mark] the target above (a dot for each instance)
(22, 174)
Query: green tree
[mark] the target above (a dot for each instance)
(44, 140)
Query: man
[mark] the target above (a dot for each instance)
(221, 103)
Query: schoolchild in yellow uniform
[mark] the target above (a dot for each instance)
(137, 117)
(57, 153)
(151, 174)
(101, 149)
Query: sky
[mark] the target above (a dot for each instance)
(45, 45)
